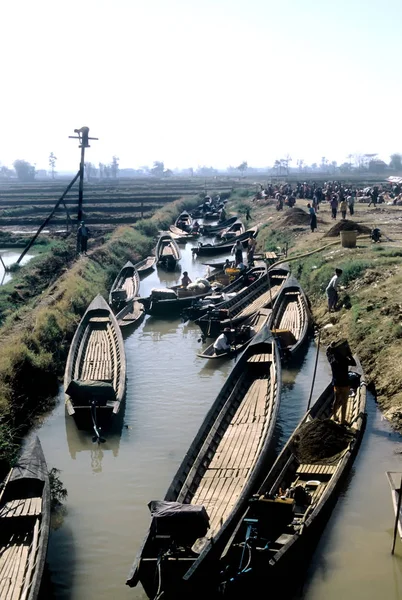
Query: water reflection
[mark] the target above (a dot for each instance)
(9, 257)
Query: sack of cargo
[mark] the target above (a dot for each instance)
(163, 294)
(204, 282)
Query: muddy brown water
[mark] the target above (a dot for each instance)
(169, 390)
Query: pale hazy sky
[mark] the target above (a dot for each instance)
(212, 82)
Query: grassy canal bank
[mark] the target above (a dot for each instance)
(370, 308)
(41, 308)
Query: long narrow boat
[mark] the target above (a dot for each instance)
(213, 229)
(279, 528)
(24, 525)
(184, 221)
(132, 314)
(233, 232)
(167, 252)
(182, 236)
(394, 480)
(240, 336)
(291, 318)
(174, 300)
(224, 247)
(125, 287)
(95, 375)
(145, 266)
(231, 313)
(219, 472)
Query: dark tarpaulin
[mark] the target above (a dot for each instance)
(184, 522)
(31, 464)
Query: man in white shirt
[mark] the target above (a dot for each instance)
(332, 290)
(221, 344)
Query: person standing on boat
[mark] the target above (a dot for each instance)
(82, 238)
(221, 344)
(340, 359)
(185, 280)
(250, 251)
(237, 250)
(332, 290)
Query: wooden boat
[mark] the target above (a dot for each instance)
(95, 375)
(232, 232)
(260, 294)
(394, 480)
(167, 252)
(219, 472)
(291, 318)
(184, 221)
(182, 236)
(224, 247)
(175, 299)
(240, 336)
(213, 229)
(145, 266)
(24, 525)
(275, 534)
(125, 287)
(132, 314)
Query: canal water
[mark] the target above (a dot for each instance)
(10, 256)
(169, 390)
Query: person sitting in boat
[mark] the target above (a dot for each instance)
(196, 227)
(185, 280)
(222, 215)
(221, 344)
(227, 265)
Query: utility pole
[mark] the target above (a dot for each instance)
(83, 137)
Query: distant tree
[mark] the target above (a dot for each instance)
(167, 173)
(52, 163)
(158, 168)
(377, 166)
(334, 166)
(314, 166)
(345, 167)
(106, 171)
(242, 167)
(89, 168)
(115, 166)
(25, 171)
(396, 162)
(5, 172)
(101, 170)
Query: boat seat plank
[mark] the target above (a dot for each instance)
(314, 469)
(99, 320)
(22, 507)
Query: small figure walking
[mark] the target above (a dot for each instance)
(343, 207)
(313, 217)
(82, 238)
(248, 214)
(332, 290)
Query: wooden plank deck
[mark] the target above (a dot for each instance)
(260, 302)
(97, 360)
(235, 455)
(291, 317)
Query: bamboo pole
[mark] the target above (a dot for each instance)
(315, 369)
(398, 510)
(46, 221)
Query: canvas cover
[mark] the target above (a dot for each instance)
(185, 523)
(83, 392)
